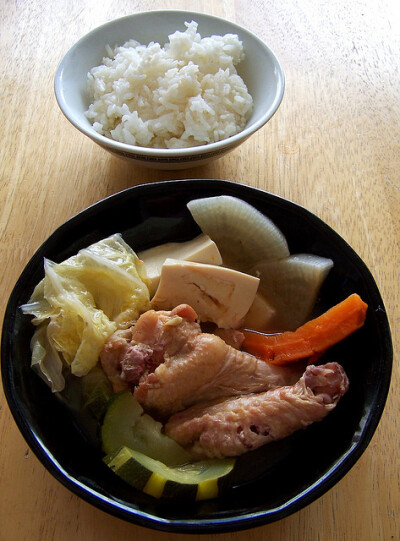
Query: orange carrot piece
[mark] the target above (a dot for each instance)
(314, 337)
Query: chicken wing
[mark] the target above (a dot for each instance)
(237, 425)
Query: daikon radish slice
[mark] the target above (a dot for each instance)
(243, 235)
(291, 287)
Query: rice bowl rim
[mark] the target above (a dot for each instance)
(157, 153)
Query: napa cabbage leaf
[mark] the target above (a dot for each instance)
(81, 302)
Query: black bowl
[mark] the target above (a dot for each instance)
(272, 482)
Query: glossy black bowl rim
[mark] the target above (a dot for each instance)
(199, 526)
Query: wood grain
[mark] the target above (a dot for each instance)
(333, 147)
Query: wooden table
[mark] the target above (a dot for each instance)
(333, 147)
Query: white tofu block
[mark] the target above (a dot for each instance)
(200, 250)
(259, 315)
(218, 294)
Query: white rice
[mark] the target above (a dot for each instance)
(184, 94)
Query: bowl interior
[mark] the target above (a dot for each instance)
(265, 85)
(273, 481)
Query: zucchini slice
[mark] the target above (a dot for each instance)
(125, 424)
(195, 481)
(96, 392)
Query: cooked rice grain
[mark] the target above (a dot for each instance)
(184, 94)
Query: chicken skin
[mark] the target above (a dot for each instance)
(170, 364)
(130, 353)
(236, 425)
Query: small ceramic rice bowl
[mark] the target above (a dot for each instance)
(260, 71)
